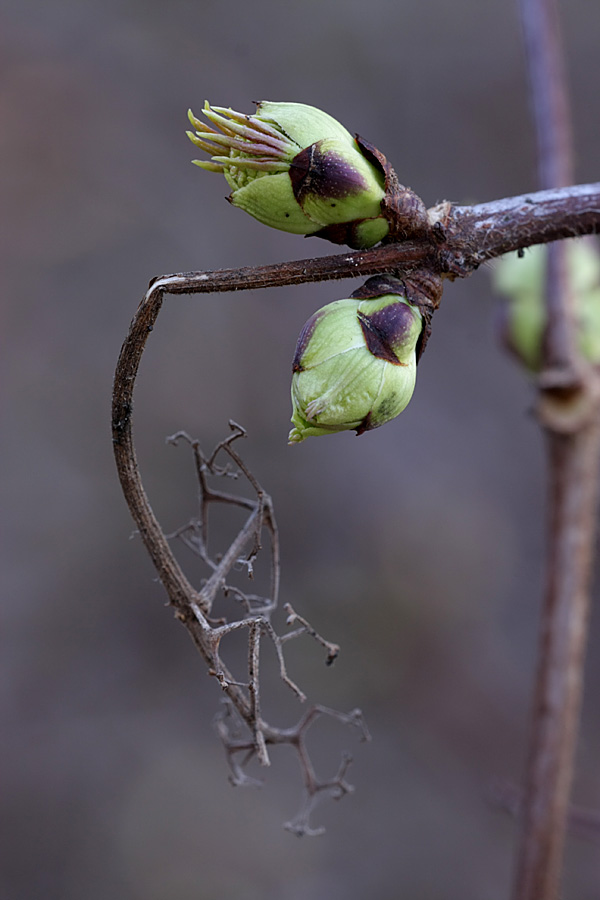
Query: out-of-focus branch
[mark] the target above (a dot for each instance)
(549, 92)
(582, 822)
(554, 134)
(569, 410)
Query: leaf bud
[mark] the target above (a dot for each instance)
(355, 362)
(522, 281)
(295, 168)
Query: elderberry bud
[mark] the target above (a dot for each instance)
(355, 362)
(295, 168)
(522, 281)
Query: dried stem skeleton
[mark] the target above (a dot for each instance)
(243, 706)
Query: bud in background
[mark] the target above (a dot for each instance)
(355, 362)
(295, 168)
(522, 281)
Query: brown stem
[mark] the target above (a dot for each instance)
(548, 91)
(568, 396)
(179, 590)
(552, 118)
(173, 579)
(573, 462)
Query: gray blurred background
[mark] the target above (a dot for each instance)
(417, 547)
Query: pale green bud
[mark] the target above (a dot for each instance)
(295, 168)
(355, 362)
(522, 280)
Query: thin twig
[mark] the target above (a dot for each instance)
(565, 384)
(293, 617)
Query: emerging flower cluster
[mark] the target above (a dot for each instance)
(295, 168)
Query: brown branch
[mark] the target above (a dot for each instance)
(552, 118)
(582, 822)
(548, 92)
(573, 461)
(466, 237)
(569, 409)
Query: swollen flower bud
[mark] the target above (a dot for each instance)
(523, 282)
(295, 168)
(355, 362)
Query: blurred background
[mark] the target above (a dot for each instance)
(418, 547)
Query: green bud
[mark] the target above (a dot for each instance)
(522, 280)
(355, 362)
(295, 168)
